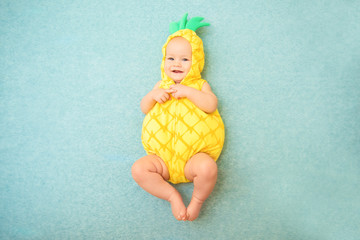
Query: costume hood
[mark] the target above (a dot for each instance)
(187, 31)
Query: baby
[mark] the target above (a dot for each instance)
(183, 133)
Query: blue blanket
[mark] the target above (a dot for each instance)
(287, 77)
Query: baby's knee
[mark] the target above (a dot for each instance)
(208, 168)
(137, 170)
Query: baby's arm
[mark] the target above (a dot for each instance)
(155, 95)
(204, 99)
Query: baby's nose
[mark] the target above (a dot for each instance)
(177, 63)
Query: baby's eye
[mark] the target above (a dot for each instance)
(170, 58)
(185, 59)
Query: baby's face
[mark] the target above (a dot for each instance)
(178, 59)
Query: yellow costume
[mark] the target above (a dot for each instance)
(177, 129)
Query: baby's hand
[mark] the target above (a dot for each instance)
(179, 91)
(161, 95)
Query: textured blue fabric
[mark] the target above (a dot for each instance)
(72, 74)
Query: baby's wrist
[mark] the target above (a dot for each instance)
(153, 95)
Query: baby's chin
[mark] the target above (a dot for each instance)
(177, 81)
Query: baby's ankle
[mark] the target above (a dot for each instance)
(197, 200)
(174, 196)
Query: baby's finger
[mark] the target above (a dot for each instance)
(163, 99)
(175, 96)
(170, 90)
(159, 100)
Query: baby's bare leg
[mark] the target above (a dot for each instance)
(151, 173)
(202, 170)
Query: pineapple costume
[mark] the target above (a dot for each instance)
(177, 129)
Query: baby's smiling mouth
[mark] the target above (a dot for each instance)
(177, 71)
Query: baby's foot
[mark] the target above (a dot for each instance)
(193, 209)
(177, 206)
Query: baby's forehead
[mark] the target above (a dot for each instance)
(179, 39)
(179, 43)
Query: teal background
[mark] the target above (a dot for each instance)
(287, 75)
